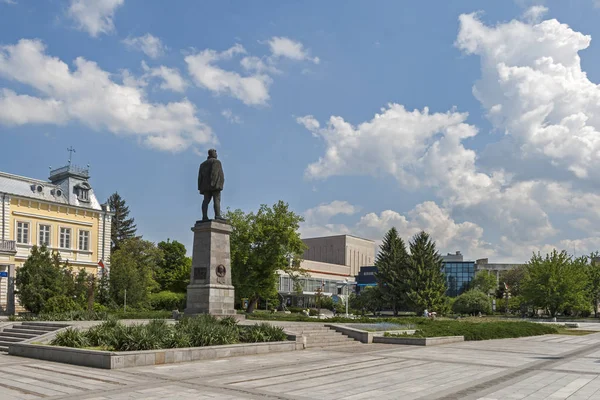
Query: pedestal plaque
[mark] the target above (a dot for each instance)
(210, 290)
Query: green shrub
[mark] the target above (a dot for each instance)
(229, 321)
(167, 301)
(59, 304)
(482, 330)
(472, 302)
(262, 333)
(70, 337)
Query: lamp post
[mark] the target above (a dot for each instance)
(346, 285)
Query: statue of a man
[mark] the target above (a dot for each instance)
(210, 184)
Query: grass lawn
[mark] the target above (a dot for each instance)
(574, 332)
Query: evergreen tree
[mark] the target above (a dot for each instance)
(122, 227)
(391, 269)
(426, 282)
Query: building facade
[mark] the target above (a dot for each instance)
(62, 213)
(459, 273)
(331, 264)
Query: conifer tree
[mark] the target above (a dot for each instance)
(122, 227)
(426, 280)
(391, 269)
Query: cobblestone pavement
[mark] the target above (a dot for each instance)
(543, 367)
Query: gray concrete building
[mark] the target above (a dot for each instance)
(351, 251)
(494, 268)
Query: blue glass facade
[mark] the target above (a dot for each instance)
(459, 275)
(366, 277)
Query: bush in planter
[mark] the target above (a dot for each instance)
(472, 302)
(70, 337)
(262, 333)
(167, 301)
(59, 304)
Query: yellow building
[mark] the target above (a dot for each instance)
(63, 213)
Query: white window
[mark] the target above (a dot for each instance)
(23, 232)
(44, 235)
(84, 240)
(65, 238)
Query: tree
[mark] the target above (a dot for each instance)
(593, 281)
(555, 282)
(173, 271)
(472, 302)
(484, 282)
(513, 278)
(391, 269)
(132, 271)
(122, 227)
(261, 244)
(426, 282)
(42, 277)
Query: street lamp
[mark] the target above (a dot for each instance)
(346, 285)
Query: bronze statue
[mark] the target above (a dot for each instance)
(210, 184)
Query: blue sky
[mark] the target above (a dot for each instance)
(501, 164)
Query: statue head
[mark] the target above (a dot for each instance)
(212, 153)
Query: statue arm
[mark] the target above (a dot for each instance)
(199, 178)
(216, 174)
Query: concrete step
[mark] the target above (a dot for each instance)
(18, 335)
(29, 331)
(5, 344)
(41, 327)
(4, 338)
(321, 333)
(4, 349)
(335, 339)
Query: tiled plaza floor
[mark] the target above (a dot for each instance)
(544, 367)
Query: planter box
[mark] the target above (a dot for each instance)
(126, 359)
(432, 341)
(356, 334)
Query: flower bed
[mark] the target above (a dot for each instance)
(198, 331)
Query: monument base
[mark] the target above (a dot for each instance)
(211, 299)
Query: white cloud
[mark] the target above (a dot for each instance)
(148, 44)
(171, 78)
(288, 48)
(23, 109)
(253, 63)
(534, 14)
(231, 117)
(11, 2)
(89, 95)
(535, 91)
(94, 16)
(448, 234)
(252, 89)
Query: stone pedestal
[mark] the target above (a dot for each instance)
(210, 290)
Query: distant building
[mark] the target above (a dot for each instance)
(366, 277)
(459, 273)
(494, 268)
(330, 262)
(63, 213)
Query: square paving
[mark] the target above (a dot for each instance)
(541, 367)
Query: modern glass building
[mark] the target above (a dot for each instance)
(459, 275)
(365, 278)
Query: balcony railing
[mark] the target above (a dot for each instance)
(8, 245)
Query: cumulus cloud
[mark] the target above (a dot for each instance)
(535, 91)
(171, 78)
(231, 117)
(89, 95)
(534, 14)
(94, 16)
(288, 48)
(148, 44)
(448, 234)
(251, 90)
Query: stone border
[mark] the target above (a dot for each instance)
(356, 334)
(127, 359)
(430, 341)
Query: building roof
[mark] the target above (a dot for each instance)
(333, 236)
(36, 189)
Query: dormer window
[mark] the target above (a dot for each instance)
(83, 191)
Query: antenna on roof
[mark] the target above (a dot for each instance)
(71, 150)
